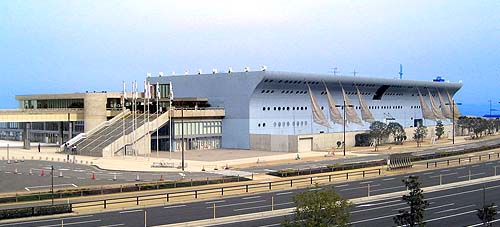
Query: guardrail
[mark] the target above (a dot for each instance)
(196, 193)
(461, 160)
(192, 193)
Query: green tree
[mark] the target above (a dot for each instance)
(487, 214)
(439, 129)
(397, 131)
(416, 202)
(378, 132)
(420, 134)
(320, 207)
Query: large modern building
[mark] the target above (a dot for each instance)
(295, 112)
(262, 110)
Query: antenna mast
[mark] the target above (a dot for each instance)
(400, 71)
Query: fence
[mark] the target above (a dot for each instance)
(463, 159)
(80, 192)
(222, 190)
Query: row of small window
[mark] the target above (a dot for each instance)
(312, 82)
(285, 108)
(285, 124)
(291, 81)
(394, 94)
(363, 85)
(305, 92)
(385, 107)
(291, 92)
(350, 93)
(322, 108)
(415, 107)
(433, 95)
(198, 128)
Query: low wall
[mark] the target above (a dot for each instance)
(323, 141)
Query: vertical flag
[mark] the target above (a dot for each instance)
(171, 92)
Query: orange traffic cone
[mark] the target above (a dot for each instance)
(93, 176)
(43, 172)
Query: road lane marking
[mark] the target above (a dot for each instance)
(129, 211)
(72, 223)
(284, 193)
(489, 163)
(436, 207)
(217, 201)
(376, 208)
(46, 220)
(450, 216)
(347, 189)
(392, 178)
(253, 197)
(461, 167)
(383, 189)
(443, 175)
(237, 204)
(114, 225)
(264, 206)
(475, 174)
(340, 186)
(175, 206)
(475, 166)
(428, 173)
(374, 204)
(455, 209)
(372, 219)
(48, 186)
(366, 182)
(446, 170)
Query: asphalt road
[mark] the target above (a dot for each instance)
(250, 203)
(74, 175)
(315, 164)
(452, 207)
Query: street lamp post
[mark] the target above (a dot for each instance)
(452, 104)
(182, 136)
(52, 184)
(344, 107)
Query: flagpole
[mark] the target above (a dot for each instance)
(157, 114)
(123, 120)
(135, 119)
(144, 115)
(171, 97)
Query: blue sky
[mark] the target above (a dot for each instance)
(74, 46)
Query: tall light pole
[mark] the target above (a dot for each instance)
(182, 136)
(344, 110)
(52, 184)
(453, 104)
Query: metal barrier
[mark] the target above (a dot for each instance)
(399, 161)
(221, 190)
(463, 159)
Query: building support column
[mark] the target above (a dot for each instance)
(26, 135)
(70, 130)
(60, 134)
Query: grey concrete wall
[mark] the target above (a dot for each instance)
(322, 141)
(94, 109)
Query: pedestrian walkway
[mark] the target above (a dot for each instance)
(161, 163)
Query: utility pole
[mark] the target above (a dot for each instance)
(182, 137)
(345, 122)
(52, 184)
(158, 93)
